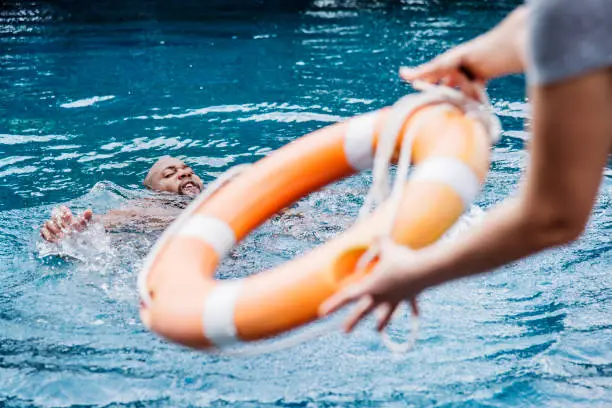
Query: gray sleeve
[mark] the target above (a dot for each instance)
(568, 38)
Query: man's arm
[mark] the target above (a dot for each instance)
(138, 219)
(63, 222)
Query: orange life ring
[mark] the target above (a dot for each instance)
(187, 305)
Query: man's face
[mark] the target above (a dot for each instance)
(172, 175)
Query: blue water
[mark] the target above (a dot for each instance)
(92, 97)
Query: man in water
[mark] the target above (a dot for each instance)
(168, 174)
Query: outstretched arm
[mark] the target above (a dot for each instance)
(63, 222)
(572, 129)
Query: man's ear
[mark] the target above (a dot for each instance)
(147, 182)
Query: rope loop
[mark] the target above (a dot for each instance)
(380, 191)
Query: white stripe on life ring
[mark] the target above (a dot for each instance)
(451, 172)
(218, 317)
(358, 141)
(213, 231)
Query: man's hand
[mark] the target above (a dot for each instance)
(63, 222)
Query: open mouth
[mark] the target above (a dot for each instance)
(189, 189)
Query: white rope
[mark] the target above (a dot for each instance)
(379, 191)
(408, 344)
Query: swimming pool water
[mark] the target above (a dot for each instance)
(93, 97)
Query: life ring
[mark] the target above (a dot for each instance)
(184, 303)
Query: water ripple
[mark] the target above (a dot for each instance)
(81, 103)
(7, 139)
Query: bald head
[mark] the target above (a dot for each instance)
(174, 176)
